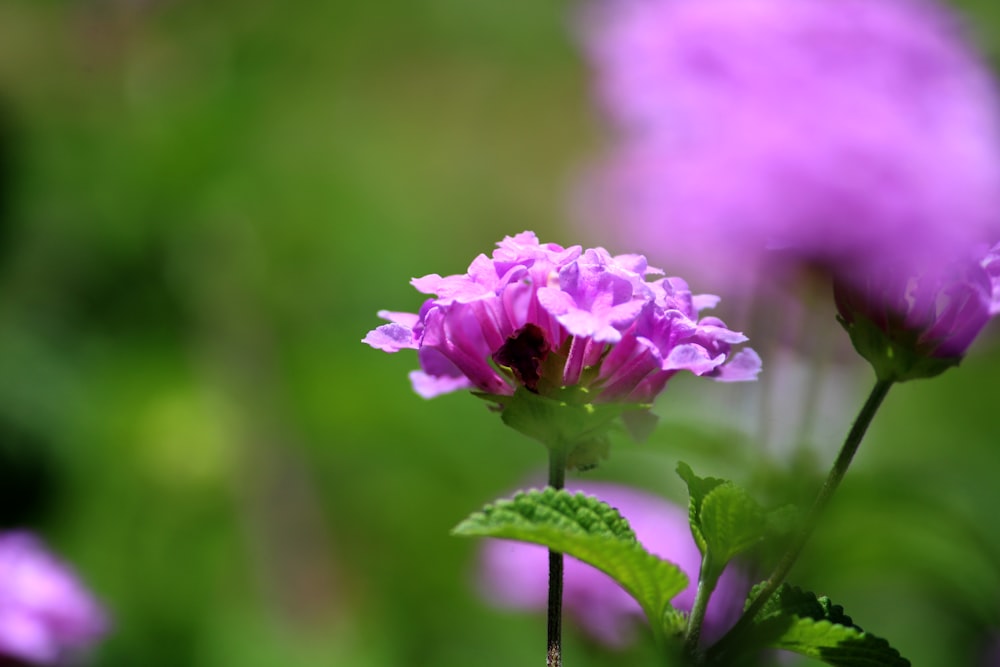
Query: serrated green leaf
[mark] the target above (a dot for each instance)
(799, 621)
(731, 523)
(698, 488)
(839, 645)
(791, 600)
(725, 520)
(589, 530)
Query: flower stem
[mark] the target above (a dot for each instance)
(698, 609)
(557, 480)
(833, 479)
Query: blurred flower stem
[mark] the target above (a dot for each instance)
(557, 480)
(833, 479)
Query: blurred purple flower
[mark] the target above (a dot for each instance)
(991, 653)
(613, 328)
(931, 317)
(513, 574)
(755, 133)
(46, 616)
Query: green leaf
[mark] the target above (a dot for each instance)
(839, 645)
(725, 520)
(698, 488)
(591, 531)
(731, 522)
(799, 621)
(793, 601)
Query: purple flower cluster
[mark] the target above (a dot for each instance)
(513, 574)
(542, 316)
(46, 615)
(754, 133)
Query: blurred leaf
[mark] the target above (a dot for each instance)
(782, 521)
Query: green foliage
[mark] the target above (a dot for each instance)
(799, 621)
(725, 520)
(731, 522)
(791, 600)
(675, 622)
(698, 488)
(591, 531)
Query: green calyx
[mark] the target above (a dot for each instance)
(897, 355)
(565, 421)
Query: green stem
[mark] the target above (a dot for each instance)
(557, 480)
(700, 606)
(833, 479)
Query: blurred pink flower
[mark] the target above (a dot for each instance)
(753, 134)
(514, 575)
(46, 615)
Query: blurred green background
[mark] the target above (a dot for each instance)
(203, 205)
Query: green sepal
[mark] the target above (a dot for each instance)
(896, 356)
(799, 621)
(591, 531)
(565, 420)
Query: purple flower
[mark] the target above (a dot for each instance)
(46, 616)
(757, 133)
(514, 575)
(918, 326)
(544, 317)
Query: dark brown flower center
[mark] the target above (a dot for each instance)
(523, 353)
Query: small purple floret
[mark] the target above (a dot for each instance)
(614, 315)
(46, 615)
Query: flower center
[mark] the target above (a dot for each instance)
(523, 353)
